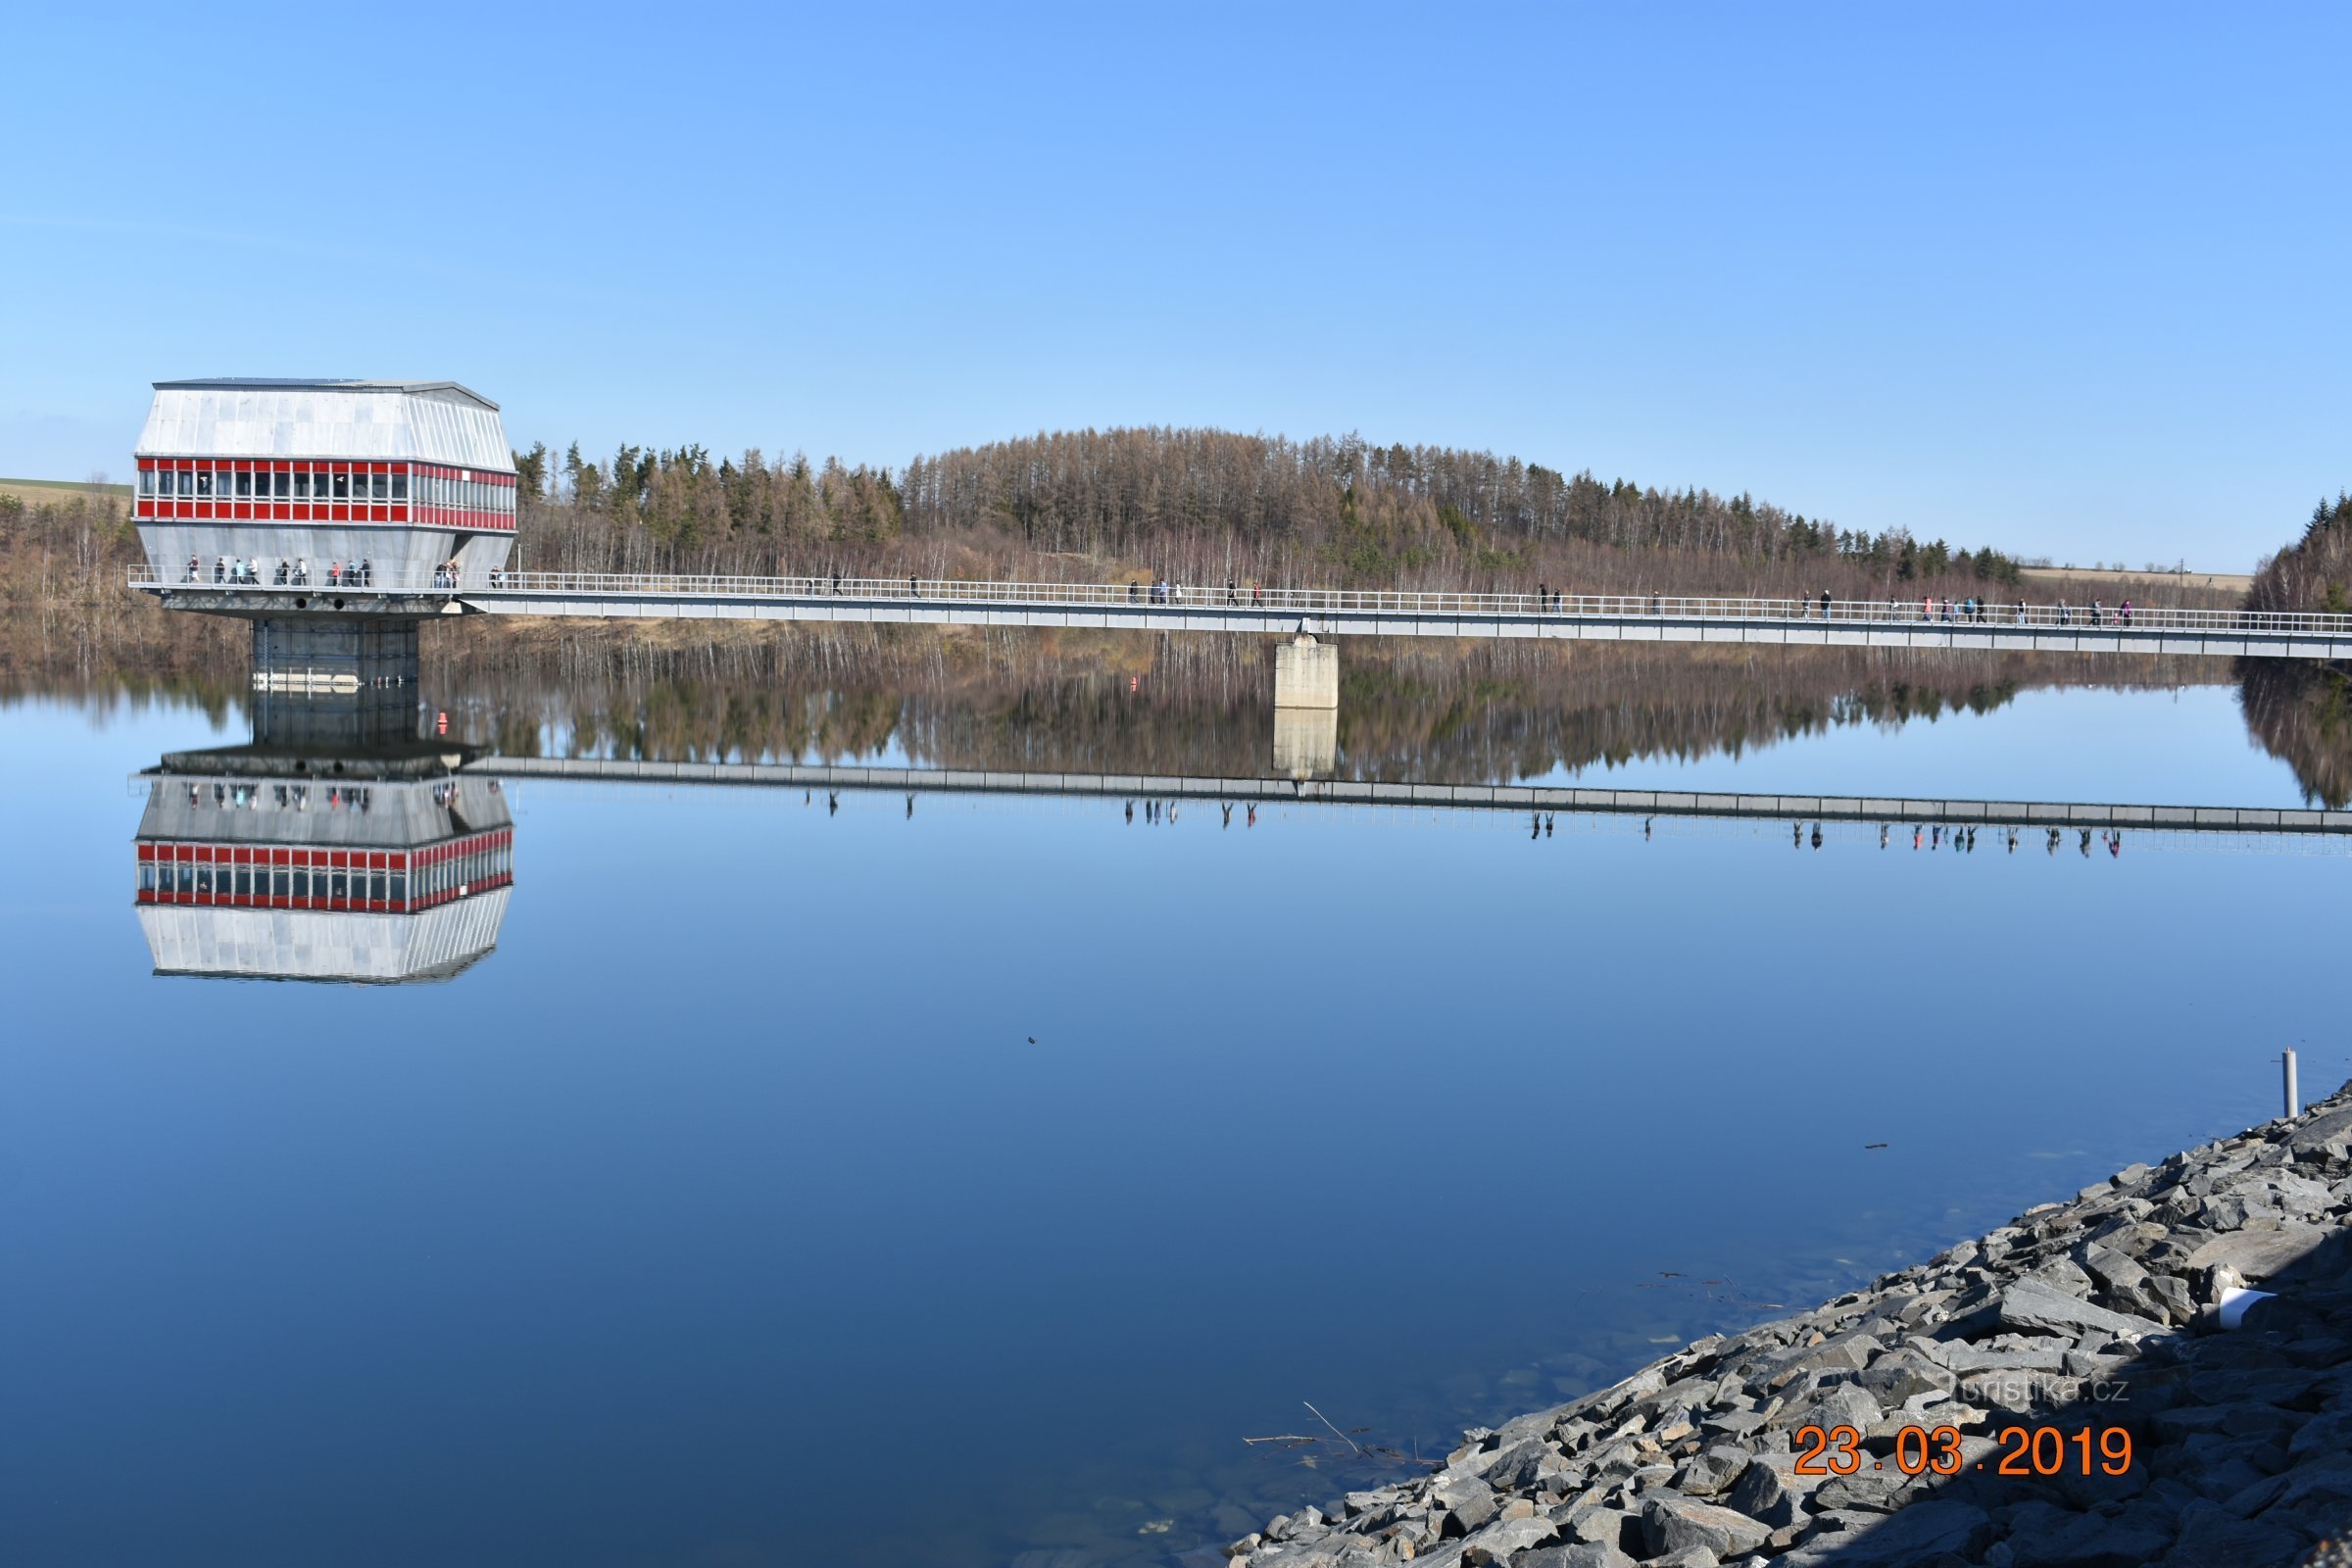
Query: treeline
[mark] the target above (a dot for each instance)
(2314, 574)
(1202, 505)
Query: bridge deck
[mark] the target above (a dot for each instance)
(1473, 797)
(1654, 618)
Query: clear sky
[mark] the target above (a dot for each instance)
(2068, 280)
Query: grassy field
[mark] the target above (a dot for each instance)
(32, 490)
(2233, 582)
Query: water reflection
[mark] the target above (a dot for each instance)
(379, 866)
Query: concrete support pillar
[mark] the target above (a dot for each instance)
(1306, 673)
(1306, 740)
(334, 680)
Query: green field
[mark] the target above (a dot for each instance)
(57, 489)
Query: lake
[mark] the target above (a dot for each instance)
(964, 1179)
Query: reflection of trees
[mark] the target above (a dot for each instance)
(2301, 714)
(1190, 704)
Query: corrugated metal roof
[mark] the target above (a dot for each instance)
(430, 421)
(355, 384)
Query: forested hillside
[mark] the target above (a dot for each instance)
(2315, 572)
(1207, 504)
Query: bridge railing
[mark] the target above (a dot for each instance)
(1306, 604)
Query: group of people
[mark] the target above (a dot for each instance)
(1963, 840)
(244, 572)
(1158, 811)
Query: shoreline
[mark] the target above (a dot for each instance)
(2069, 1388)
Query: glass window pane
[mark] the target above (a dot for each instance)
(282, 484)
(400, 487)
(377, 486)
(281, 882)
(342, 483)
(146, 481)
(244, 485)
(400, 887)
(302, 488)
(204, 484)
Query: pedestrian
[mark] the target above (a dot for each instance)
(2126, 611)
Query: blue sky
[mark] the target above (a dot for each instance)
(2068, 280)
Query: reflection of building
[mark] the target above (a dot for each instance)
(311, 479)
(279, 864)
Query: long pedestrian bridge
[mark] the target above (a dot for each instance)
(2057, 627)
(1892, 810)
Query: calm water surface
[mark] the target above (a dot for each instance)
(963, 1187)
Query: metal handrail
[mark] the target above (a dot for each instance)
(1308, 603)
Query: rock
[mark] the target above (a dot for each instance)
(2087, 1541)
(1760, 1495)
(1711, 1471)
(1900, 1374)
(2259, 1255)
(2211, 1534)
(1671, 1524)
(1610, 1527)
(2326, 1482)
(1897, 1540)
(2031, 1304)
(1499, 1542)
(1583, 1554)
(1468, 1502)
(1514, 1468)
(1687, 1557)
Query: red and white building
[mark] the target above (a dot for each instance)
(402, 476)
(312, 876)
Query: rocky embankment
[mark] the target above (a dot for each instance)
(2117, 1313)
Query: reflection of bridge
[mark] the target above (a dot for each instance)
(1317, 611)
(1461, 797)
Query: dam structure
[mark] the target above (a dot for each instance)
(340, 516)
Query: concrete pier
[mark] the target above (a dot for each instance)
(1307, 742)
(321, 680)
(1306, 673)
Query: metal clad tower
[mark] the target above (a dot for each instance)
(306, 480)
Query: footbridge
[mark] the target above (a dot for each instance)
(1906, 811)
(1317, 613)
(346, 631)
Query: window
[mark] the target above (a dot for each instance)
(204, 484)
(342, 482)
(400, 887)
(378, 487)
(376, 886)
(302, 486)
(244, 881)
(281, 882)
(400, 487)
(146, 481)
(146, 876)
(339, 882)
(282, 483)
(244, 485)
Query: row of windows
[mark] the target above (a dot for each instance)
(275, 882)
(456, 490)
(435, 876)
(246, 487)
